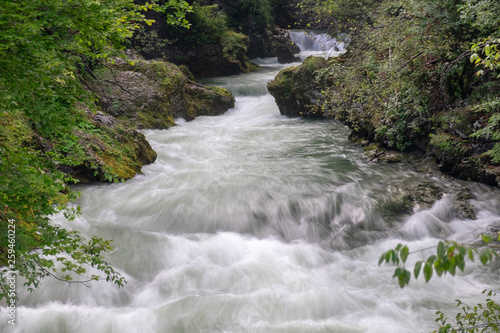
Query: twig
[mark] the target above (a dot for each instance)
(119, 85)
(83, 282)
(404, 65)
(124, 89)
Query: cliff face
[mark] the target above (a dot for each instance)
(222, 38)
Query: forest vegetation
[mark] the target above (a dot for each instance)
(47, 48)
(418, 75)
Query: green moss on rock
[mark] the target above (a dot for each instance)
(151, 94)
(115, 150)
(206, 101)
(296, 91)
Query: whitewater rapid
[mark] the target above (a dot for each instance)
(254, 222)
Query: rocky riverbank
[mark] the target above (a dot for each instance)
(156, 83)
(134, 93)
(308, 90)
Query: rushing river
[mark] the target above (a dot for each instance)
(254, 222)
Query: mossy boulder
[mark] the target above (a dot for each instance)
(205, 101)
(115, 150)
(101, 147)
(296, 90)
(228, 57)
(137, 93)
(151, 94)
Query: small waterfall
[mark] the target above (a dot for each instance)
(317, 42)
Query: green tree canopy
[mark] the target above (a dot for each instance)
(46, 48)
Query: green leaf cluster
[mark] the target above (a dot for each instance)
(478, 318)
(211, 21)
(486, 55)
(244, 12)
(448, 257)
(207, 24)
(47, 49)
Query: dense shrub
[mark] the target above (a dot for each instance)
(409, 61)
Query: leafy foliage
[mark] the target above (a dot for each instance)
(176, 11)
(487, 55)
(337, 16)
(479, 318)
(492, 129)
(46, 48)
(208, 25)
(247, 11)
(409, 62)
(212, 19)
(449, 257)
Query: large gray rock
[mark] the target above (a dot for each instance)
(296, 91)
(114, 150)
(283, 47)
(151, 94)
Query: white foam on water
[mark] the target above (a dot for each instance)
(254, 222)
